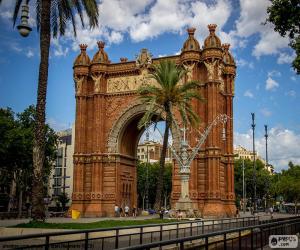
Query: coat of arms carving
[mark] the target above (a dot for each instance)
(144, 59)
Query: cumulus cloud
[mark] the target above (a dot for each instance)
(248, 93)
(252, 16)
(271, 84)
(283, 146)
(142, 20)
(58, 48)
(285, 58)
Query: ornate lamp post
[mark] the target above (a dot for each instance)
(24, 28)
(184, 159)
(254, 163)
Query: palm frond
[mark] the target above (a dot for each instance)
(38, 13)
(16, 11)
(79, 10)
(91, 9)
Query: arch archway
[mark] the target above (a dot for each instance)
(106, 134)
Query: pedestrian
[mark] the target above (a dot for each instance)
(121, 212)
(271, 212)
(126, 211)
(134, 211)
(179, 214)
(116, 210)
(161, 213)
(251, 210)
(237, 213)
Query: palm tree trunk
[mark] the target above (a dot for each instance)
(159, 189)
(38, 207)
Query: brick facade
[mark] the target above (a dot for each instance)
(107, 113)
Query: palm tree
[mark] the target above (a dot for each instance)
(52, 16)
(163, 99)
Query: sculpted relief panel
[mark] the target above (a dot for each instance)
(129, 83)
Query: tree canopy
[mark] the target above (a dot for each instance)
(284, 14)
(16, 136)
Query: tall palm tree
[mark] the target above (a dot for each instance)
(52, 16)
(163, 100)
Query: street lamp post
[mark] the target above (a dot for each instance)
(244, 189)
(254, 162)
(147, 170)
(184, 158)
(267, 163)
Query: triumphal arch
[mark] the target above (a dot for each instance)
(106, 133)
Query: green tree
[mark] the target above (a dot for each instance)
(51, 16)
(263, 179)
(289, 184)
(153, 171)
(162, 101)
(16, 161)
(284, 14)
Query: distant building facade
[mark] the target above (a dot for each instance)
(242, 153)
(61, 178)
(149, 151)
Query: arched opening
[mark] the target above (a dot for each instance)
(124, 139)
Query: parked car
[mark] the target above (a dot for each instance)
(151, 211)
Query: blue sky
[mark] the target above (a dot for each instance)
(265, 83)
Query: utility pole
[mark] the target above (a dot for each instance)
(147, 170)
(244, 188)
(267, 164)
(254, 162)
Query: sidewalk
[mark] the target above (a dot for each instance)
(13, 222)
(6, 231)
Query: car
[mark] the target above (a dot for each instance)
(151, 211)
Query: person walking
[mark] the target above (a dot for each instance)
(271, 212)
(126, 211)
(121, 212)
(134, 211)
(116, 210)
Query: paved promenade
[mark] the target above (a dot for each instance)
(6, 231)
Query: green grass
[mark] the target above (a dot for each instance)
(93, 225)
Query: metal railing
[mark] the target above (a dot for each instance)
(252, 237)
(124, 237)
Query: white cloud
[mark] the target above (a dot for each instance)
(274, 73)
(251, 21)
(243, 63)
(58, 48)
(270, 43)
(271, 84)
(285, 58)
(148, 19)
(283, 146)
(293, 78)
(29, 53)
(265, 112)
(248, 93)
(57, 125)
(252, 15)
(291, 93)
